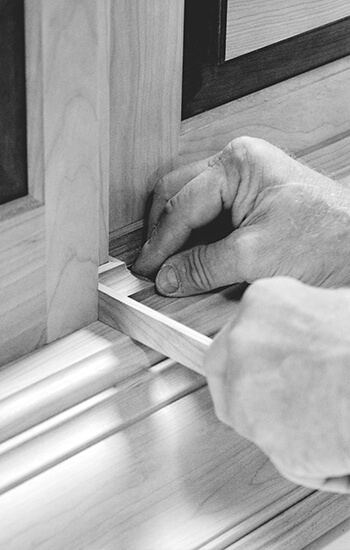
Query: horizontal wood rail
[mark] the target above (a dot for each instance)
(152, 328)
(63, 390)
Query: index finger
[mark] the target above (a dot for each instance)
(170, 185)
(195, 205)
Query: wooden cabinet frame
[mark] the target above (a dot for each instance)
(104, 131)
(49, 240)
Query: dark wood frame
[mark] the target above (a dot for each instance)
(13, 142)
(210, 81)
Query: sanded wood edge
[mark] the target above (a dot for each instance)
(153, 329)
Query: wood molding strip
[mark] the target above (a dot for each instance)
(63, 390)
(93, 421)
(152, 328)
(297, 526)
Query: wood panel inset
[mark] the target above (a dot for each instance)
(209, 80)
(254, 25)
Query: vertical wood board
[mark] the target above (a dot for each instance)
(70, 44)
(146, 65)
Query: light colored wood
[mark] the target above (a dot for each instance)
(70, 45)
(49, 252)
(152, 328)
(314, 516)
(146, 74)
(121, 279)
(58, 356)
(176, 479)
(34, 100)
(22, 279)
(63, 390)
(109, 412)
(337, 538)
(296, 114)
(254, 25)
(103, 20)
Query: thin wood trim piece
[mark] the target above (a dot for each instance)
(57, 393)
(153, 329)
(104, 49)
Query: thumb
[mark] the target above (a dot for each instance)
(201, 269)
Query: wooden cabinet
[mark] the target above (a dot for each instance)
(144, 463)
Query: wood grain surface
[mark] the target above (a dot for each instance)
(176, 479)
(146, 64)
(104, 51)
(254, 25)
(151, 328)
(297, 114)
(22, 278)
(71, 133)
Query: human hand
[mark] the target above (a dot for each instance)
(286, 220)
(279, 374)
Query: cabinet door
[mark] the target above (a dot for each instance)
(234, 47)
(49, 237)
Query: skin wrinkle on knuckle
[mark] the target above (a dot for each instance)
(196, 269)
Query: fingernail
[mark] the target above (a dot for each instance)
(167, 280)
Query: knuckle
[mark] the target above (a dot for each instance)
(196, 269)
(171, 206)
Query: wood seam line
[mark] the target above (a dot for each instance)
(56, 393)
(228, 536)
(318, 508)
(152, 328)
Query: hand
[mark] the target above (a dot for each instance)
(279, 374)
(286, 220)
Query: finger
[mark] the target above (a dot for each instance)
(194, 206)
(207, 267)
(170, 185)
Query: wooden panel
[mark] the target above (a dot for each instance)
(72, 166)
(13, 157)
(146, 63)
(296, 114)
(22, 278)
(254, 25)
(210, 81)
